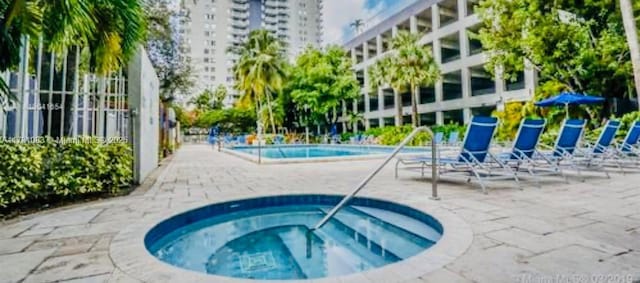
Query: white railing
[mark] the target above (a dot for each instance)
(434, 174)
(58, 97)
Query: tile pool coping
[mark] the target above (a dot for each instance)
(267, 160)
(129, 253)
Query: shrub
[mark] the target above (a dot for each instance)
(509, 121)
(393, 135)
(20, 172)
(62, 169)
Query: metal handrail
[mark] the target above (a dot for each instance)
(434, 174)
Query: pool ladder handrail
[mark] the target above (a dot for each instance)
(411, 136)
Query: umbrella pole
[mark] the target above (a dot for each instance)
(566, 110)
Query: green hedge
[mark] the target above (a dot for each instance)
(62, 169)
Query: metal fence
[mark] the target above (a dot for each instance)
(58, 97)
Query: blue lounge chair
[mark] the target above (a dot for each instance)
(601, 153)
(278, 139)
(241, 140)
(562, 154)
(453, 138)
(628, 150)
(524, 150)
(439, 136)
(474, 157)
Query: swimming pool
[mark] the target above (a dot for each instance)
(268, 237)
(318, 152)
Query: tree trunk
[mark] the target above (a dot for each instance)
(632, 39)
(273, 124)
(414, 108)
(398, 98)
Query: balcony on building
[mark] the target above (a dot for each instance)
(471, 5)
(448, 12)
(373, 101)
(239, 7)
(372, 47)
(386, 41)
(428, 119)
(475, 45)
(360, 78)
(450, 47)
(404, 25)
(427, 94)
(481, 81)
(515, 83)
(424, 21)
(453, 117)
(359, 54)
(452, 85)
(389, 101)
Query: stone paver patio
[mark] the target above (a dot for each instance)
(577, 232)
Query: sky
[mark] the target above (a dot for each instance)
(339, 14)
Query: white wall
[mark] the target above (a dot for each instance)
(144, 100)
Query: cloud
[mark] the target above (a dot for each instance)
(339, 14)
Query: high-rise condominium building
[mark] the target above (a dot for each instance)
(465, 89)
(208, 28)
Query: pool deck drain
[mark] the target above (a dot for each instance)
(576, 230)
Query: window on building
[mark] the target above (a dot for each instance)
(428, 119)
(360, 104)
(406, 98)
(471, 5)
(448, 12)
(475, 45)
(452, 85)
(450, 47)
(389, 121)
(406, 120)
(483, 110)
(424, 21)
(453, 116)
(427, 95)
(481, 81)
(388, 102)
(515, 83)
(373, 101)
(374, 123)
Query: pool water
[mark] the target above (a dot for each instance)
(271, 241)
(318, 151)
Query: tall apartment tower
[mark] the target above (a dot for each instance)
(207, 28)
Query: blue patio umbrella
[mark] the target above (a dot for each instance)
(569, 98)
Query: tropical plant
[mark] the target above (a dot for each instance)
(218, 96)
(319, 83)
(410, 65)
(260, 71)
(232, 120)
(581, 46)
(203, 101)
(109, 31)
(509, 119)
(174, 74)
(62, 169)
(357, 25)
(354, 119)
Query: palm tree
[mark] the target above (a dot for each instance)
(357, 25)
(410, 65)
(353, 119)
(110, 30)
(260, 71)
(383, 73)
(632, 39)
